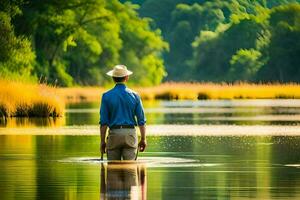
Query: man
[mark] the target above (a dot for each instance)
(121, 110)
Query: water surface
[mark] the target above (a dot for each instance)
(197, 150)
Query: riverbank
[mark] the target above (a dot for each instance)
(18, 99)
(33, 100)
(192, 91)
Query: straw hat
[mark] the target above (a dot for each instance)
(119, 71)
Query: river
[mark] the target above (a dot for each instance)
(213, 149)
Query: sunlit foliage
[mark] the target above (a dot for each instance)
(228, 40)
(16, 54)
(77, 41)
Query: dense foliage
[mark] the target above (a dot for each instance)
(16, 55)
(77, 41)
(228, 40)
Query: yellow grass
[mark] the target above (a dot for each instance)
(33, 100)
(77, 94)
(30, 100)
(193, 91)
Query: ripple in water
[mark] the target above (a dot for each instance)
(148, 161)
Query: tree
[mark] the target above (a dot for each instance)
(222, 27)
(16, 55)
(284, 48)
(186, 22)
(244, 65)
(78, 40)
(212, 55)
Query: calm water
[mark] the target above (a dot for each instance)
(197, 150)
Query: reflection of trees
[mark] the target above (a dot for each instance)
(58, 180)
(155, 118)
(85, 117)
(89, 118)
(250, 167)
(178, 118)
(246, 169)
(286, 151)
(17, 167)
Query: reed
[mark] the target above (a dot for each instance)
(79, 94)
(19, 99)
(193, 91)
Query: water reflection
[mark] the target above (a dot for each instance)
(231, 168)
(233, 112)
(32, 122)
(123, 181)
(250, 112)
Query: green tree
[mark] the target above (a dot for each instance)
(141, 48)
(275, 3)
(186, 22)
(78, 40)
(212, 55)
(284, 49)
(16, 55)
(244, 65)
(181, 21)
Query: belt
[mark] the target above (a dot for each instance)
(121, 126)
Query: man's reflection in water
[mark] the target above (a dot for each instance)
(123, 181)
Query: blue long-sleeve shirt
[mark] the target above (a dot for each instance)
(121, 106)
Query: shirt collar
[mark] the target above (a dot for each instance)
(120, 85)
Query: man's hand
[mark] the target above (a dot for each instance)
(103, 129)
(103, 147)
(142, 145)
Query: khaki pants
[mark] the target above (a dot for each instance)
(122, 144)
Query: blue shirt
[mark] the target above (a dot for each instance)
(121, 106)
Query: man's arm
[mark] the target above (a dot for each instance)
(103, 129)
(141, 121)
(104, 121)
(143, 141)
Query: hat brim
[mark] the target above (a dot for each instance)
(111, 73)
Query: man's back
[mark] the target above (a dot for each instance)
(120, 106)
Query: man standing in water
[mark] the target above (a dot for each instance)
(121, 110)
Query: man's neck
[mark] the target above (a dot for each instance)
(120, 83)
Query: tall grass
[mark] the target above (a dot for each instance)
(78, 94)
(194, 91)
(19, 99)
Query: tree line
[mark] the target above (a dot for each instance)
(76, 41)
(234, 40)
